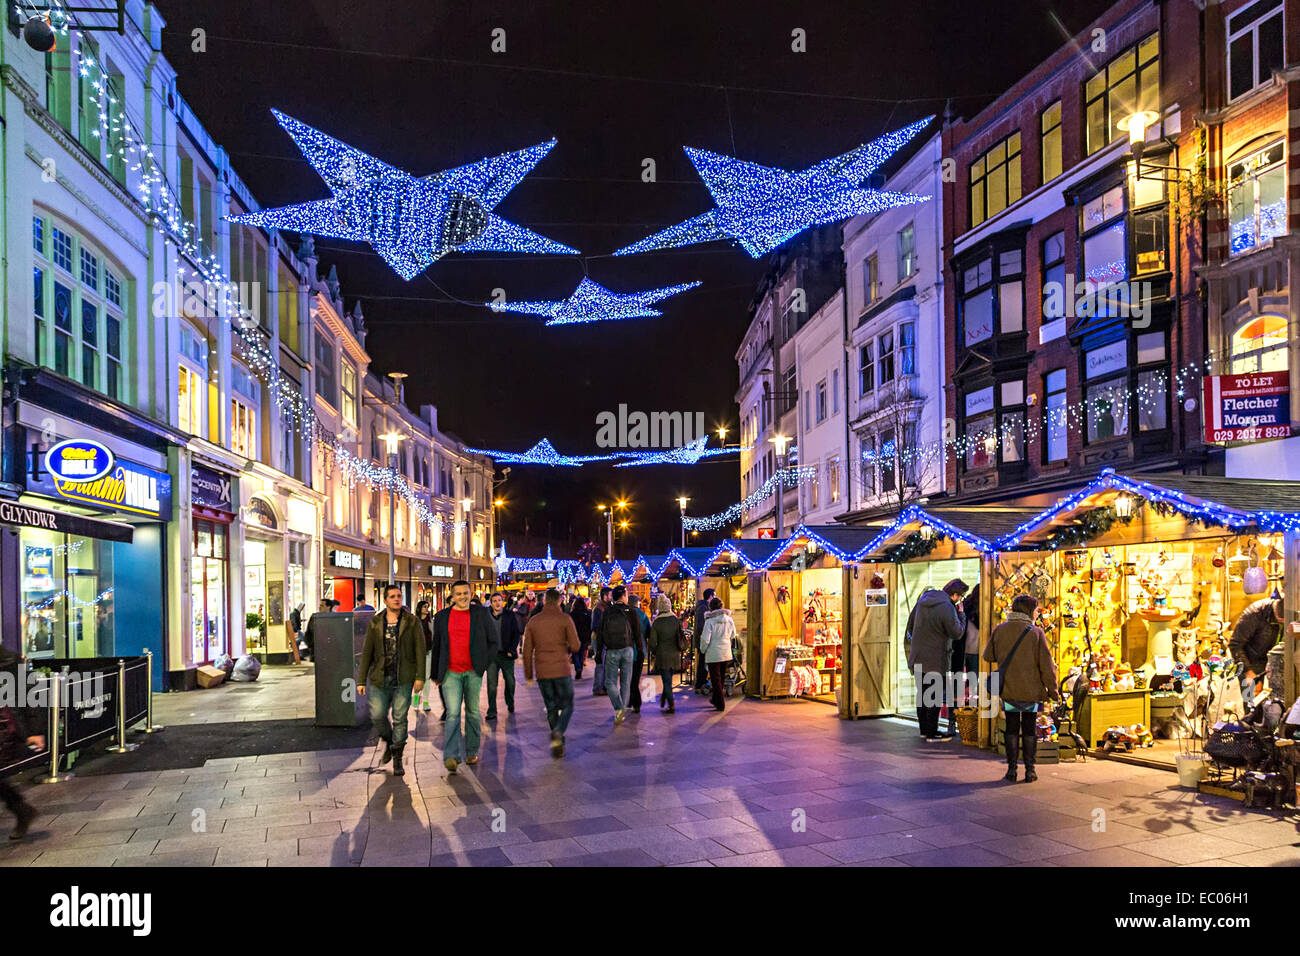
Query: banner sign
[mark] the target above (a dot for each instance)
(1249, 407)
(210, 489)
(126, 486)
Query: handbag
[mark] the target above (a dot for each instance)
(1235, 748)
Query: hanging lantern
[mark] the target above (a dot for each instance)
(927, 532)
(1255, 581)
(1124, 507)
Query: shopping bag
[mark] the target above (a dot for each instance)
(598, 681)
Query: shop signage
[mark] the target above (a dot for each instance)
(979, 402)
(345, 559)
(210, 489)
(26, 516)
(1249, 407)
(79, 460)
(767, 532)
(1107, 359)
(441, 571)
(261, 514)
(127, 487)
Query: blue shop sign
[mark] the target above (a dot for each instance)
(126, 487)
(79, 460)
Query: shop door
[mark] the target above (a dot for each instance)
(869, 657)
(209, 598)
(780, 608)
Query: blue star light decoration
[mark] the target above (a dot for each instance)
(762, 206)
(410, 222)
(687, 454)
(543, 453)
(592, 302)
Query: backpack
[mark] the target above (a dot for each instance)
(616, 628)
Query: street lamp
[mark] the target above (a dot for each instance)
(466, 504)
(780, 441)
(391, 439)
(722, 435)
(682, 502)
(1136, 125)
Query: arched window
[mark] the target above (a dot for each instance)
(1259, 345)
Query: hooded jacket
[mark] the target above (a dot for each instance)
(934, 624)
(715, 642)
(550, 640)
(1032, 675)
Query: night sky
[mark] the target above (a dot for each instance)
(417, 85)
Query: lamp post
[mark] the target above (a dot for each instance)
(780, 441)
(682, 502)
(391, 439)
(466, 504)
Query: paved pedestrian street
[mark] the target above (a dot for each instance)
(765, 784)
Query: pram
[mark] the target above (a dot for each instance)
(733, 673)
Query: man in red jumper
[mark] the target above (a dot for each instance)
(463, 644)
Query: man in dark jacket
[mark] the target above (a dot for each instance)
(1258, 628)
(701, 609)
(616, 640)
(505, 627)
(16, 736)
(463, 645)
(597, 615)
(935, 624)
(392, 669)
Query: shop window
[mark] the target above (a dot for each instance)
(1129, 83)
(1054, 307)
(1257, 198)
(981, 442)
(1050, 125)
(209, 592)
(67, 595)
(1106, 408)
(1260, 345)
(995, 179)
(1255, 46)
(866, 370)
(1056, 416)
(906, 252)
(871, 279)
(885, 358)
(1152, 392)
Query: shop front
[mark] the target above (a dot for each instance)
(431, 581)
(214, 627)
(75, 585)
(344, 579)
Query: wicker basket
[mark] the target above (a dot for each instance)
(967, 725)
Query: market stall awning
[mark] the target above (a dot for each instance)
(646, 567)
(685, 562)
(1236, 504)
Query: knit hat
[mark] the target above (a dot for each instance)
(663, 605)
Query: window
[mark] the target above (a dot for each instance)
(115, 136)
(887, 459)
(908, 465)
(1129, 83)
(1054, 305)
(326, 374)
(977, 302)
(1055, 416)
(89, 343)
(812, 494)
(112, 289)
(62, 249)
(1105, 249)
(1259, 345)
(1255, 46)
(906, 252)
(1050, 126)
(995, 179)
(907, 348)
(243, 429)
(833, 474)
(821, 401)
(1106, 408)
(38, 235)
(835, 391)
(376, 452)
(885, 358)
(190, 403)
(349, 408)
(871, 279)
(1011, 298)
(63, 337)
(980, 437)
(790, 391)
(866, 370)
(807, 411)
(1257, 198)
(867, 466)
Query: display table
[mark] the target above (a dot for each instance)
(1103, 709)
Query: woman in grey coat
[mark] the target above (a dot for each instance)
(936, 622)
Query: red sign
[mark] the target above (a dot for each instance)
(1252, 406)
(767, 532)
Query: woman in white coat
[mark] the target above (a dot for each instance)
(715, 645)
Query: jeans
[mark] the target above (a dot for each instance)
(666, 675)
(504, 666)
(458, 687)
(618, 675)
(557, 693)
(396, 695)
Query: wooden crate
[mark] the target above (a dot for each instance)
(1101, 710)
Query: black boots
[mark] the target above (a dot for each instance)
(25, 813)
(388, 751)
(398, 769)
(1013, 756)
(1030, 747)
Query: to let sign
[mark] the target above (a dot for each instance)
(1248, 407)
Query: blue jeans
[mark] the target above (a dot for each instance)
(618, 675)
(381, 697)
(457, 687)
(557, 693)
(505, 667)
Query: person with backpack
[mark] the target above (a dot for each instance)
(616, 643)
(1026, 677)
(665, 644)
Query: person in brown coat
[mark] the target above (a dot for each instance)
(1026, 677)
(550, 641)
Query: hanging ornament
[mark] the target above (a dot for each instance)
(592, 302)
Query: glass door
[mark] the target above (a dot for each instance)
(209, 593)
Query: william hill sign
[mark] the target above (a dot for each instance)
(113, 483)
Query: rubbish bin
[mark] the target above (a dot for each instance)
(338, 640)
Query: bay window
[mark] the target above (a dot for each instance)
(1257, 198)
(866, 370)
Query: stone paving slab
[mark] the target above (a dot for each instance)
(781, 783)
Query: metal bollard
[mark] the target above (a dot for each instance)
(59, 681)
(149, 727)
(122, 746)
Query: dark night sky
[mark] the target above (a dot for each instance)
(416, 84)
